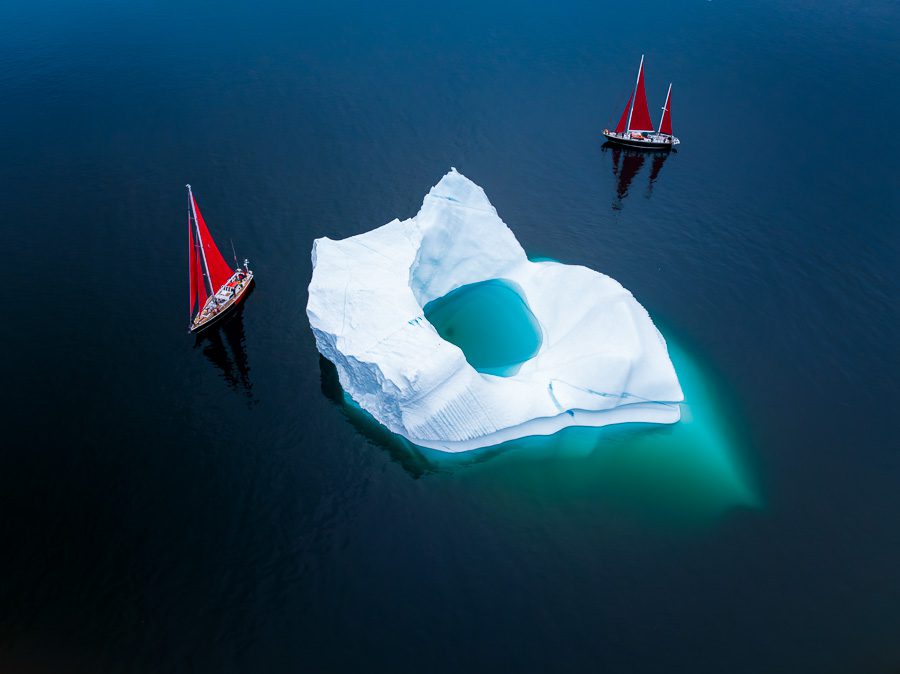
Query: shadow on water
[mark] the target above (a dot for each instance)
(628, 162)
(411, 457)
(225, 347)
(415, 460)
(689, 472)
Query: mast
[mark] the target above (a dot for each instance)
(200, 244)
(665, 109)
(634, 93)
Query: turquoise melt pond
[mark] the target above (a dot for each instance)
(491, 323)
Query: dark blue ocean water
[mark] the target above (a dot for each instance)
(217, 506)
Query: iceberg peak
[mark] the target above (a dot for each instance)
(600, 360)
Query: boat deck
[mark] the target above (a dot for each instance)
(638, 139)
(228, 296)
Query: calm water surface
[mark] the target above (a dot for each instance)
(217, 506)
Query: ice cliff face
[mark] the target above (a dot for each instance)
(601, 361)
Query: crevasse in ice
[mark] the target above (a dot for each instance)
(600, 360)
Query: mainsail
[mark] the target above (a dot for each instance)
(665, 124)
(640, 113)
(208, 269)
(197, 291)
(636, 115)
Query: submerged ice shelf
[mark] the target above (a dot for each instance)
(657, 474)
(599, 359)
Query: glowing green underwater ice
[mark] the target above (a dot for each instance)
(691, 470)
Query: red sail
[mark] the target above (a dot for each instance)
(640, 116)
(219, 270)
(192, 268)
(623, 120)
(198, 289)
(199, 294)
(665, 125)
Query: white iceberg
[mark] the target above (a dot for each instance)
(601, 360)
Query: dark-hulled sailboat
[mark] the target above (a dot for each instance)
(215, 289)
(635, 128)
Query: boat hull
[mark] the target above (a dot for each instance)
(226, 311)
(656, 142)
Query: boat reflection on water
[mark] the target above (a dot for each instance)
(655, 168)
(225, 347)
(627, 163)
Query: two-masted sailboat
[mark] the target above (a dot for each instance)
(635, 128)
(215, 289)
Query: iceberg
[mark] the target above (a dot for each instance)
(600, 358)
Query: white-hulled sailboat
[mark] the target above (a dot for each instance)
(215, 289)
(635, 128)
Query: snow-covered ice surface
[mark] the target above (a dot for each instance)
(601, 361)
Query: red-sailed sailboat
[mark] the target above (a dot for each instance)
(215, 289)
(635, 127)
